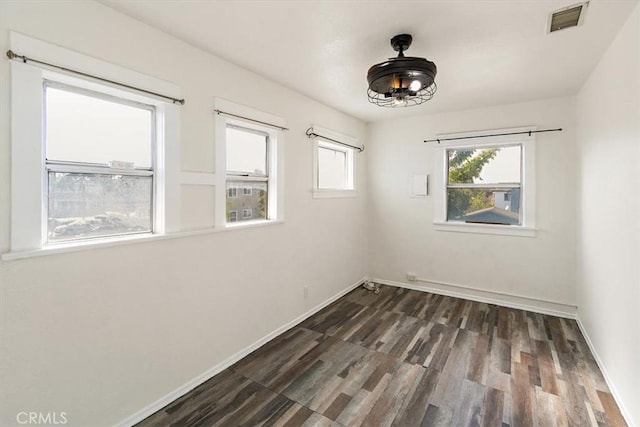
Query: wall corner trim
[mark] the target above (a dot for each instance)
(614, 392)
(205, 376)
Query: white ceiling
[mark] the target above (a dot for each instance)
(488, 52)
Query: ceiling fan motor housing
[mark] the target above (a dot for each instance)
(396, 74)
(407, 79)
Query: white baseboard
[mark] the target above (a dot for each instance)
(489, 297)
(190, 385)
(607, 379)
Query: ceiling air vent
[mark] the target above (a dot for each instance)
(567, 17)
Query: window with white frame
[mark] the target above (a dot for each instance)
(487, 185)
(333, 166)
(247, 155)
(99, 163)
(479, 182)
(232, 216)
(89, 161)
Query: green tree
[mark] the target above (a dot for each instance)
(262, 204)
(465, 166)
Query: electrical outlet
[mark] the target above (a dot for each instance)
(306, 292)
(411, 277)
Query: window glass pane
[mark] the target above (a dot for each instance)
(484, 165)
(85, 205)
(246, 152)
(82, 128)
(493, 206)
(250, 206)
(332, 169)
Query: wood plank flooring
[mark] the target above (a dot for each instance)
(408, 358)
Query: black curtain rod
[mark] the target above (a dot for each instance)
(14, 56)
(250, 119)
(528, 132)
(311, 134)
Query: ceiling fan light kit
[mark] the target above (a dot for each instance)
(402, 81)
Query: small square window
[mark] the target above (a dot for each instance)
(232, 192)
(246, 191)
(333, 167)
(247, 213)
(232, 216)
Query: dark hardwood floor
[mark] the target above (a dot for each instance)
(408, 358)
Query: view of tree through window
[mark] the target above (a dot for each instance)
(484, 185)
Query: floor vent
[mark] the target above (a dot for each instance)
(567, 17)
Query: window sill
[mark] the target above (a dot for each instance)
(333, 194)
(124, 240)
(237, 225)
(504, 230)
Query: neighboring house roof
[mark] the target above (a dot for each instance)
(493, 215)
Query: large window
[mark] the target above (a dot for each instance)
(91, 163)
(486, 184)
(483, 185)
(247, 160)
(99, 163)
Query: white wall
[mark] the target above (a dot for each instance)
(402, 234)
(101, 333)
(608, 139)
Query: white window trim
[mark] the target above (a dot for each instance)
(528, 194)
(27, 151)
(85, 245)
(52, 165)
(323, 193)
(275, 189)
